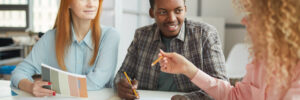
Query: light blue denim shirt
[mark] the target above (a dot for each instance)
(77, 57)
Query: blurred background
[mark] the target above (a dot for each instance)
(22, 22)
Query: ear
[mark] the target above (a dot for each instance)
(185, 9)
(151, 13)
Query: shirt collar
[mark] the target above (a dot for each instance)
(180, 36)
(87, 39)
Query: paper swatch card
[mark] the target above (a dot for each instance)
(64, 83)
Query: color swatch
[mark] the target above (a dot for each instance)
(64, 83)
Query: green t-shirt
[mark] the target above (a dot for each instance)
(165, 80)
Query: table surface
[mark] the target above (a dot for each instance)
(103, 94)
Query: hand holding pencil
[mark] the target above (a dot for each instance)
(129, 81)
(156, 61)
(126, 89)
(176, 64)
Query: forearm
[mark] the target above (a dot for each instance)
(26, 85)
(190, 70)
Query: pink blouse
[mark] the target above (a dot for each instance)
(252, 87)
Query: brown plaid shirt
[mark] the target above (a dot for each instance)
(200, 44)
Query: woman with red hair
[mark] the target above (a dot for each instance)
(77, 44)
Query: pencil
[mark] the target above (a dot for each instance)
(158, 59)
(130, 84)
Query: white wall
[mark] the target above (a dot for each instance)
(224, 8)
(192, 7)
(220, 8)
(134, 15)
(232, 37)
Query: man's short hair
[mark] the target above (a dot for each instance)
(152, 2)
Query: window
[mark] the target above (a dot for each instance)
(134, 15)
(44, 13)
(14, 15)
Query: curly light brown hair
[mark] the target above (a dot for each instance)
(274, 32)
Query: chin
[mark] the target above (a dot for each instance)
(88, 17)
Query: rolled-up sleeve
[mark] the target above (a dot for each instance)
(103, 73)
(31, 64)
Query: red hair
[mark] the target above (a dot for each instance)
(64, 35)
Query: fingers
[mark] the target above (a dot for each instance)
(179, 97)
(161, 51)
(42, 83)
(134, 84)
(166, 54)
(124, 89)
(39, 91)
(37, 94)
(124, 86)
(43, 90)
(164, 63)
(166, 69)
(124, 83)
(129, 96)
(163, 69)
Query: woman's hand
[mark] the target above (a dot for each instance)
(39, 91)
(36, 88)
(176, 64)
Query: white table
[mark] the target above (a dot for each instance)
(103, 94)
(5, 90)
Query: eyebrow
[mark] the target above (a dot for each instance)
(178, 7)
(161, 9)
(166, 9)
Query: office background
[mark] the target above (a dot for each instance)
(125, 16)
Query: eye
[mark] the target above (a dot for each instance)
(178, 11)
(162, 12)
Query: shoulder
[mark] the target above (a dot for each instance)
(48, 37)
(146, 30)
(109, 32)
(200, 26)
(50, 34)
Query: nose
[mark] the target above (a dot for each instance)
(90, 3)
(244, 21)
(171, 17)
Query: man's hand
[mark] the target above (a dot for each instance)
(125, 91)
(179, 97)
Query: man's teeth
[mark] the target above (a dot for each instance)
(172, 26)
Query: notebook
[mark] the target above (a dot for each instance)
(64, 83)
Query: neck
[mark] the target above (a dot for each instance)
(168, 36)
(81, 27)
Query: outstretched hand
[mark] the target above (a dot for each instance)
(176, 64)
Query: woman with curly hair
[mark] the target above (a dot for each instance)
(274, 74)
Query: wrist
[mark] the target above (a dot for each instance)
(30, 89)
(191, 71)
(26, 85)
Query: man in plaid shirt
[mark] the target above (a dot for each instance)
(198, 42)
